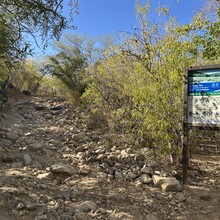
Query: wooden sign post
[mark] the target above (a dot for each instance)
(201, 104)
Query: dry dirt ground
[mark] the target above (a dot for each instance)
(94, 181)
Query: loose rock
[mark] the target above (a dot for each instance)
(87, 206)
(167, 183)
(12, 136)
(27, 159)
(63, 169)
(144, 178)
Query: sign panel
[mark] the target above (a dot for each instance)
(203, 97)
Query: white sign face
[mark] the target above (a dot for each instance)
(204, 97)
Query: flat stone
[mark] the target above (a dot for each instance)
(62, 168)
(36, 146)
(12, 136)
(85, 170)
(171, 187)
(79, 136)
(87, 206)
(146, 170)
(28, 116)
(48, 116)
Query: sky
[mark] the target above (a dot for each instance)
(111, 17)
(100, 17)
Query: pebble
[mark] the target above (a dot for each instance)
(118, 175)
(20, 206)
(102, 175)
(14, 212)
(145, 178)
(12, 136)
(179, 197)
(27, 159)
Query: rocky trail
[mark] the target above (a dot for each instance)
(55, 166)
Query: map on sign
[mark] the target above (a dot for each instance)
(204, 97)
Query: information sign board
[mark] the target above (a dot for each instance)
(201, 104)
(203, 96)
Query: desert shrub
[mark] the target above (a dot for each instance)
(139, 87)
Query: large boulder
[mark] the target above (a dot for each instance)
(167, 183)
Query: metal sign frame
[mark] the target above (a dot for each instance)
(195, 95)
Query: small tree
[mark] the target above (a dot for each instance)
(69, 63)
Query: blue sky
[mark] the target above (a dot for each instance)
(100, 17)
(110, 17)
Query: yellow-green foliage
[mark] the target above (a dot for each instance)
(25, 76)
(48, 86)
(157, 93)
(106, 89)
(4, 70)
(140, 87)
